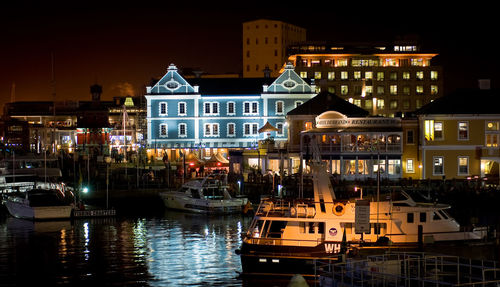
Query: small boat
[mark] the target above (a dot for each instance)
(39, 204)
(207, 195)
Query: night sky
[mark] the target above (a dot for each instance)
(122, 46)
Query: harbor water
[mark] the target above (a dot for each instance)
(166, 249)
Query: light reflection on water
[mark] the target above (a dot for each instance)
(177, 249)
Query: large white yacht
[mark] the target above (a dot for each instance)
(204, 195)
(286, 236)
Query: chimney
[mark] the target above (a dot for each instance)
(484, 84)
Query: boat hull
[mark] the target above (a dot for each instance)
(205, 206)
(20, 210)
(273, 260)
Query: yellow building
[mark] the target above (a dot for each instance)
(459, 136)
(264, 46)
(411, 157)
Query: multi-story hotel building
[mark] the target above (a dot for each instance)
(264, 46)
(384, 80)
(460, 135)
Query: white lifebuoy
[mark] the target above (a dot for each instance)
(338, 208)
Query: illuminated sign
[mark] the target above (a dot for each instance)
(357, 122)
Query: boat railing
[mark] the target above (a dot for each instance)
(296, 208)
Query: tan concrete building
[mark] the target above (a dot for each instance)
(264, 46)
(384, 79)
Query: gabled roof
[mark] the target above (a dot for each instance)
(326, 101)
(172, 83)
(289, 82)
(464, 101)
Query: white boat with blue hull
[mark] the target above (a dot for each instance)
(286, 236)
(207, 195)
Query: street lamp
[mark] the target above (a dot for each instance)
(108, 162)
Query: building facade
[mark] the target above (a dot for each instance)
(461, 141)
(385, 80)
(221, 113)
(264, 45)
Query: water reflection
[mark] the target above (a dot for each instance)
(172, 250)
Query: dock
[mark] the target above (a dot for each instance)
(94, 213)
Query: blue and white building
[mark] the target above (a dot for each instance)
(220, 112)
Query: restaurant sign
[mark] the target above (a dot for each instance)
(357, 122)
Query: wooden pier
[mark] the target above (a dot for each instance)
(94, 213)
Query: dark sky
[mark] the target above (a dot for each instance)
(122, 46)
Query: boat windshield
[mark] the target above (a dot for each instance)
(213, 193)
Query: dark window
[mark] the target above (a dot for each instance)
(423, 217)
(409, 217)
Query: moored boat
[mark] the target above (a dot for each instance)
(287, 236)
(39, 204)
(208, 195)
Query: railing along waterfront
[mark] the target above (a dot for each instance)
(409, 269)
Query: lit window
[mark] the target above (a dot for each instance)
(357, 75)
(317, 75)
(434, 75)
(438, 130)
(368, 75)
(393, 89)
(463, 130)
(344, 90)
(463, 165)
(394, 104)
(331, 75)
(438, 165)
(419, 90)
(357, 102)
(380, 76)
(344, 75)
(308, 125)
(368, 104)
(434, 90)
(492, 140)
(406, 75)
(303, 75)
(410, 166)
(380, 104)
(419, 75)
